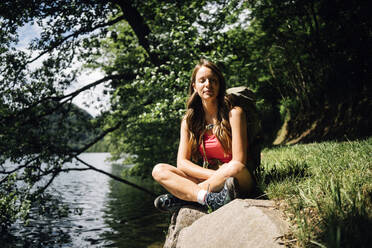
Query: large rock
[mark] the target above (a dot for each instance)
(181, 219)
(241, 223)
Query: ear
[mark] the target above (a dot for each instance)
(193, 86)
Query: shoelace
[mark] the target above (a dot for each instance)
(216, 200)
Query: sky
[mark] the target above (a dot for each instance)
(29, 32)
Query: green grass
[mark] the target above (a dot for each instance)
(325, 190)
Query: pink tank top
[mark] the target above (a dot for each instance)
(214, 149)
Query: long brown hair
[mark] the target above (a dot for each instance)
(195, 118)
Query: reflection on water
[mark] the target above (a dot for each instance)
(103, 213)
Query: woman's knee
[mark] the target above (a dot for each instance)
(234, 168)
(241, 173)
(159, 172)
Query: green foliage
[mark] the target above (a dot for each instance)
(104, 145)
(11, 206)
(300, 42)
(151, 106)
(23, 174)
(295, 55)
(327, 188)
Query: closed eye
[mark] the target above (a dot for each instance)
(211, 80)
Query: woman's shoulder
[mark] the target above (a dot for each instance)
(236, 112)
(184, 123)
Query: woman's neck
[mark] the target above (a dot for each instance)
(210, 111)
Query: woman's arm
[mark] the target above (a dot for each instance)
(184, 155)
(239, 138)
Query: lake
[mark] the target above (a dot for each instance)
(103, 213)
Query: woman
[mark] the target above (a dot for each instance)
(213, 130)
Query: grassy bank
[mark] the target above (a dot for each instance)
(325, 190)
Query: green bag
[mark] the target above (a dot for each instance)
(245, 98)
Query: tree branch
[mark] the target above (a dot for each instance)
(77, 92)
(103, 134)
(19, 167)
(74, 35)
(140, 28)
(65, 98)
(74, 169)
(54, 175)
(117, 178)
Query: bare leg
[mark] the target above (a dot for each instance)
(176, 182)
(186, 188)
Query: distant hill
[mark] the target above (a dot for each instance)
(71, 125)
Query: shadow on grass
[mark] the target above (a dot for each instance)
(289, 170)
(352, 231)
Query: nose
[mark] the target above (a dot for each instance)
(207, 82)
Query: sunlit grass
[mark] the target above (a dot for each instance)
(326, 189)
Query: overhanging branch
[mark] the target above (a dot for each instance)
(99, 137)
(64, 98)
(74, 35)
(102, 80)
(116, 178)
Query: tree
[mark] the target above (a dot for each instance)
(313, 55)
(156, 42)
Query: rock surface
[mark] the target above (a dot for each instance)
(241, 223)
(181, 219)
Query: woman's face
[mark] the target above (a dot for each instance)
(206, 84)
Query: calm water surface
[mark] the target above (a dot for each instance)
(103, 213)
